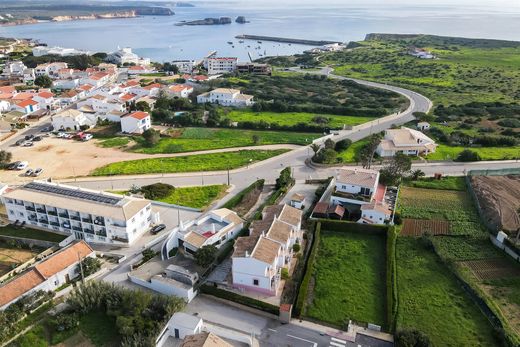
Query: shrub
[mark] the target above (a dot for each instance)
(285, 178)
(411, 338)
(296, 247)
(237, 199)
(206, 255)
(64, 322)
(468, 155)
(157, 191)
(284, 273)
(148, 254)
(90, 266)
(342, 145)
(244, 300)
(151, 137)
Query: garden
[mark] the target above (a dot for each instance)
(191, 163)
(33, 234)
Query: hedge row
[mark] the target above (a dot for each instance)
(304, 286)
(244, 300)
(237, 199)
(343, 225)
(392, 297)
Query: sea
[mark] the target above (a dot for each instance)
(158, 38)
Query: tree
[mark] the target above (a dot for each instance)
(366, 155)
(43, 81)
(5, 158)
(411, 338)
(142, 106)
(416, 174)
(90, 266)
(468, 155)
(342, 145)
(256, 139)
(157, 190)
(169, 67)
(206, 255)
(315, 148)
(326, 156)
(394, 171)
(285, 178)
(329, 144)
(151, 137)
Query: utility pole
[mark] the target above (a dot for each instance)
(81, 269)
(178, 216)
(228, 178)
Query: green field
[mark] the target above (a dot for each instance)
(199, 139)
(196, 197)
(431, 300)
(349, 279)
(350, 154)
(34, 234)
(445, 183)
(445, 152)
(454, 206)
(191, 163)
(293, 118)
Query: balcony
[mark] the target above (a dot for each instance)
(41, 210)
(86, 220)
(117, 238)
(75, 228)
(73, 217)
(30, 208)
(351, 196)
(56, 224)
(52, 212)
(88, 231)
(43, 221)
(64, 215)
(65, 225)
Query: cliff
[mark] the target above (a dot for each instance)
(125, 14)
(208, 21)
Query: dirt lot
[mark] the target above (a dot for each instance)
(499, 197)
(418, 227)
(62, 158)
(10, 257)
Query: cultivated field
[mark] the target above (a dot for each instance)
(492, 269)
(499, 197)
(349, 279)
(418, 227)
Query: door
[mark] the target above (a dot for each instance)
(176, 333)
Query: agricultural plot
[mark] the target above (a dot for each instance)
(418, 227)
(431, 204)
(349, 279)
(492, 269)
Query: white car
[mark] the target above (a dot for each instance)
(87, 137)
(37, 172)
(61, 134)
(27, 144)
(22, 166)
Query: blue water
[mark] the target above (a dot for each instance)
(159, 39)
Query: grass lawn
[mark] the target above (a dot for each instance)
(196, 197)
(431, 300)
(191, 163)
(350, 154)
(445, 152)
(99, 328)
(34, 234)
(199, 139)
(445, 183)
(349, 279)
(293, 118)
(114, 142)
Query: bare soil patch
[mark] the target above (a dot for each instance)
(499, 198)
(10, 258)
(492, 269)
(419, 227)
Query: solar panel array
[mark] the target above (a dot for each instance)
(73, 193)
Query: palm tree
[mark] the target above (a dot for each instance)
(416, 174)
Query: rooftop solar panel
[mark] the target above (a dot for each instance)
(73, 193)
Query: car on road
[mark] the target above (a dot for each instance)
(61, 134)
(37, 138)
(27, 144)
(22, 165)
(37, 172)
(29, 137)
(19, 142)
(86, 137)
(157, 229)
(68, 136)
(29, 172)
(46, 129)
(13, 166)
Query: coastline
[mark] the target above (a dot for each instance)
(116, 15)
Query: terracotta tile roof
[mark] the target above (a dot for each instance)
(85, 87)
(266, 250)
(152, 86)
(204, 339)
(258, 227)
(45, 95)
(7, 90)
(127, 97)
(27, 102)
(19, 286)
(136, 68)
(6, 96)
(177, 88)
(379, 207)
(291, 215)
(99, 97)
(244, 244)
(279, 231)
(321, 208)
(225, 91)
(195, 239)
(297, 197)
(337, 210)
(63, 259)
(201, 78)
(69, 94)
(139, 115)
(358, 177)
(130, 83)
(23, 96)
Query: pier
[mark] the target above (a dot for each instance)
(286, 40)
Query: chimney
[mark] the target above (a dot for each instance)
(247, 254)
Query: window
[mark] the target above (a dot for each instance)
(255, 282)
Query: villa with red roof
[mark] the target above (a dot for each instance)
(136, 122)
(45, 100)
(26, 106)
(180, 90)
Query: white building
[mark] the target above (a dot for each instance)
(89, 215)
(14, 69)
(26, 106)
(38, 51)
(180, 90)
(69, 83)
(407, 141)
(258, 259)
(126, 56)
(50, 69)
(226, 97)
(47, 275)
(422, 126)
(102, 104)
(185, 66)
(355, 186)
(72, 119)
(136, 123)
(221, 65)
(45, 100)
(375, 213)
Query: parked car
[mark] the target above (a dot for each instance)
(37, 172)
(87, 137)
(22, 165)
(13, 166)
(68, 136)
(29, 172)
(157, 229)
(27, 144)
(19, 142)
(47, 129)
(61, 134)
(37, 138)
(29, 137)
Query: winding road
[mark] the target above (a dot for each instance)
(269, 169)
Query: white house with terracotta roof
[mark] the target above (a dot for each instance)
(47, 275)
(64, 84)
(149, 90)
(68, 97)
(356, 186)
(180, 90)
(72, 119)
(258, 259)
(407, 141)
(136, 122)
(45, 99)
(26, 106)
(226, 97)
(102, 104)
(50, 69)
(375, 213)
